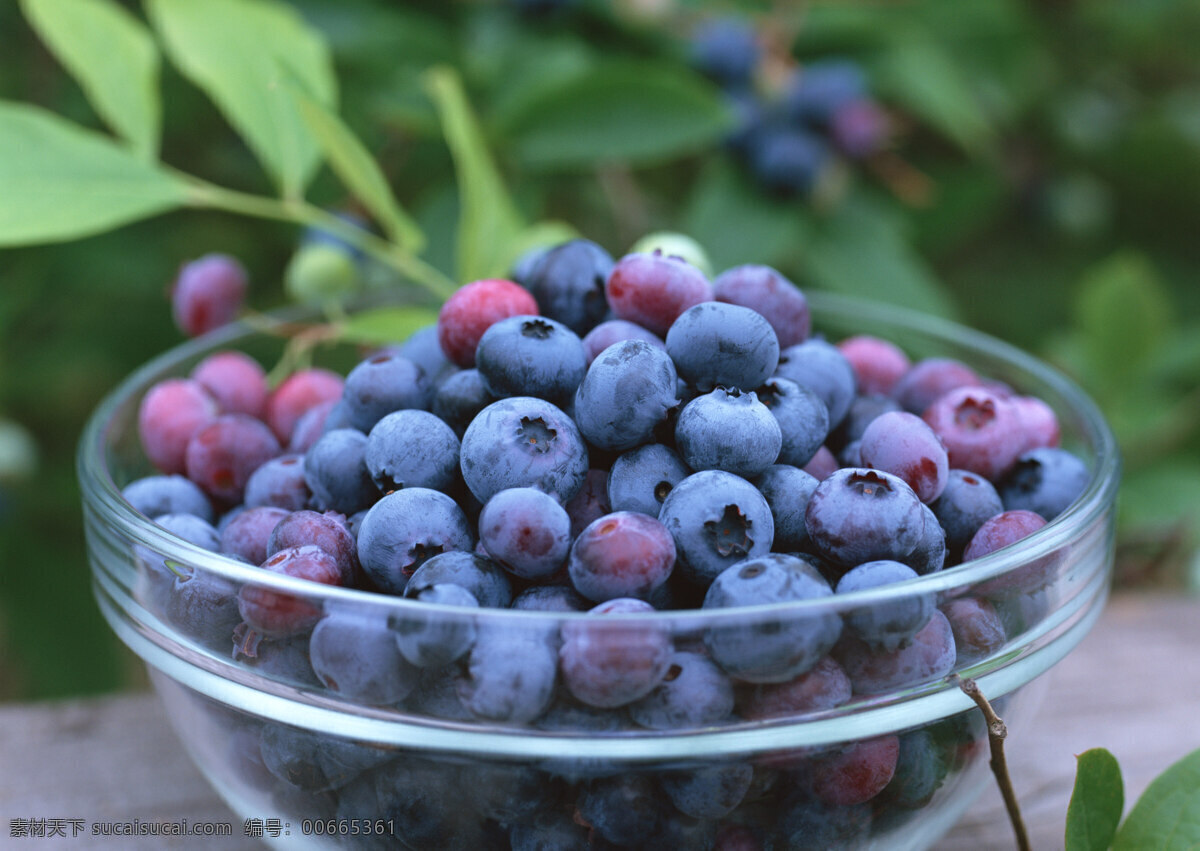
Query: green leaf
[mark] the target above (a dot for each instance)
(113, 57)
(384, 325)
(737, 224)
(1124, 315)
(241, 53)
(1167, 815)
(1097, 802)
(63, 182)
(917, 72)
(862, 249)
(489, 221)
(357, 169)
(634, 113)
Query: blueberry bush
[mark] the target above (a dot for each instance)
(1028, 169)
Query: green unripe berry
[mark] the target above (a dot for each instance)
(319, 273)
(675, 245)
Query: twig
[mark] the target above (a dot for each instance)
(997, 733)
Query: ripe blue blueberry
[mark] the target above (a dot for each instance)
(437, 637)
(802, 416)
(523, 442)
(1044, 480)
(716, 519)
(885, 625)
(764, 648)
(412, 449)
(485, 579)
(531, 356)
(857, 515)
(383, 383)
(718, 344)
(168, 494)
(693, 693)
(819, 366)
(354, 654)
(787, 490)
(568, 283)
(335, 471)
(628, 390)
(404, 529)
(728, 430)
(641, 478)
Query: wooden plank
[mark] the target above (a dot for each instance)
(1131, 686)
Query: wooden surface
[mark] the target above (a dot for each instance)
(1132, 686)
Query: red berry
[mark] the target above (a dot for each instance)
(208, 293)
(473, 309)
(275, 614)
(904, 445)
(170, 413)
(982, 432)
(878, 364)
(653, 290)
(297, 394)
(236, 380)
(222, 455)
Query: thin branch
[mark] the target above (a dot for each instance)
(997, 733)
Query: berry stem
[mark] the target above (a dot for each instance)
(204, 194)
(997, 733)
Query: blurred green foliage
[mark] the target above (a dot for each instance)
(1043, 186)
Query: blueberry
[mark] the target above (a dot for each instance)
(921, 768)
(526, 531)
(716, 519)
(335, 470)
(354, 654)
(485, 579)
(613, 331)
(816, 91)
(885, 625)
(978, 629)
(769, 648)
(929, 556)
(609, 659)
(1044, 480)
(432, 639)
(384, 383)
(590, 502)
(927, 379)
(693, 693)
(802, 416)
(279, 483)
(824, 686)
(718, 344)
(863, 410)
(853, 774)
(205, 607)
(623, 809)
(641, 478)
(523, 442)
(929, 656)
(766, 291)
(327, 531)
(195, 530)
(623, 554)
(315, 761)
(728, 430)
(711, 792)
(568, 283)
(627, 391)
(726, 49)
(531, 356)
(904, 445)
(460, 397)
(423, 349)
(511, 674)
(966, 502)
(788, 161)
(168, 494)
(787, 490)
(549, 830)
(510, 793)
(404, 529)
(819, 366)
(412, 448)
(858, 515)
(208, 293)
(551, 598)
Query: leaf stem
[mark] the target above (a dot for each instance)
(299, 211)
(997, 733)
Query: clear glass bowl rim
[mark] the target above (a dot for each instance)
(101, 492)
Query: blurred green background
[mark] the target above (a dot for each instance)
(1041, 183)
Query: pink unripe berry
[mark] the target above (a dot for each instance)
(474, 308)
(170, 413)
(208, 293)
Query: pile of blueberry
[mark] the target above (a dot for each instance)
(615, 438)
(789, 137)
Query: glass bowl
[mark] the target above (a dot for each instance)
(455, 755)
